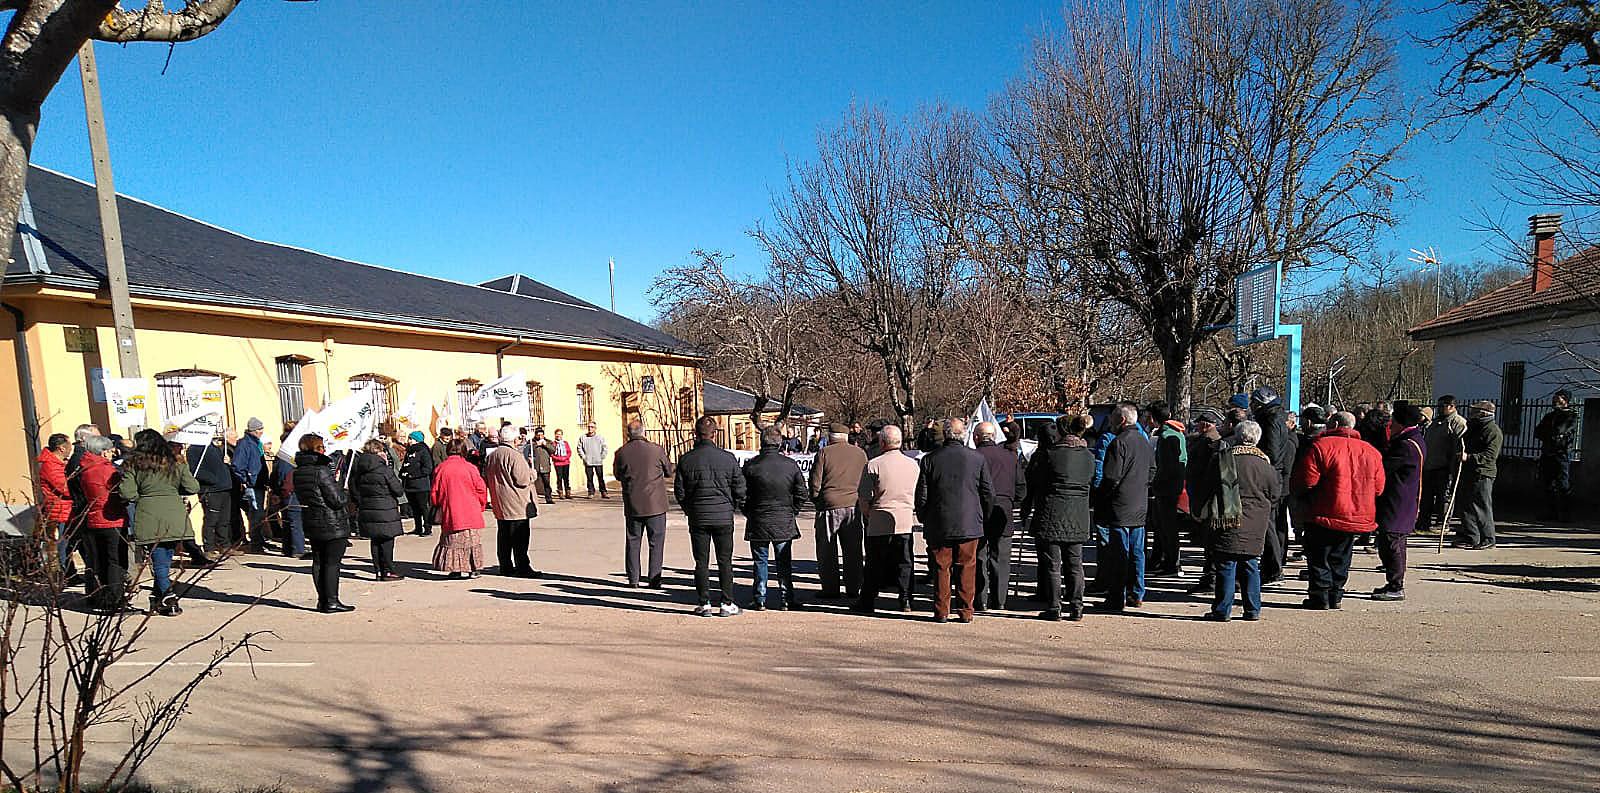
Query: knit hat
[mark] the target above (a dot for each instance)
(1264, 395)
(1239, 401)
(254, 424)
(1314, 415)
(1484, 405)
(1208, 415)
(838, 429)
(416, 436)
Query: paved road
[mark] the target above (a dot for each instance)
(1486, 679)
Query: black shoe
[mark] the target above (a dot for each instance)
(1050, 616)
(654, 582)
(530, 573)
(1314, 605)
(1075, 615)
(335, 608)
(169, 602)
(757, 605)
(1134, 603)
(1483, 546)
(1388, 595)
(1212, 616)
(1252, 616)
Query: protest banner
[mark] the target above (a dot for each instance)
(346, 424)
(127, 398)
(506, 397)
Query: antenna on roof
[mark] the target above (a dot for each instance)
(613, 266)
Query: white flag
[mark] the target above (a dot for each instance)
(347, 424)
(506, 397)
(195, 427)
(408, 417)
(127, 396)
(979, 414)
(291, 444)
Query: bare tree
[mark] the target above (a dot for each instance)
(41, 39)
(1498, 49)
(754, 332)
(1200, 141)
(868, 225)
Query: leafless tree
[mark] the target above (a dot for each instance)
(1498, 49)
(754, 331)
(1199, 141)
(41, 39)
(868, 226)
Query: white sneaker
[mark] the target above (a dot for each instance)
(703, 610)
(729, 610)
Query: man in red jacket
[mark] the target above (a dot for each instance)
(1340, 476)
(55, 499)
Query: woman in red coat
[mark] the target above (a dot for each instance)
(104, 549)
(460, 496)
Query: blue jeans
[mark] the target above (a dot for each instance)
(784, 562)
(295, 545)
(1247, 571)
(1124, 563)
(161, 566)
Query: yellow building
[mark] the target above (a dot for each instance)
(287, 328)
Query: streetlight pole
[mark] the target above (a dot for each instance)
(110, 221)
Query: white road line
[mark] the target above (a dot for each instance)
(257, 664)
(1580, 679)
(892, 670)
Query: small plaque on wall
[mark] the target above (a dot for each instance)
(82, 339)
(647, 384)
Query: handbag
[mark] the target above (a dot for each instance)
(533, 509)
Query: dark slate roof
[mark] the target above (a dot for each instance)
(1575, 287)
(724, 401)
(175, 257)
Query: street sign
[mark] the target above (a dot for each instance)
(1255, 300)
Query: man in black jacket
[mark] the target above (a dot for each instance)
(994, 549)
(709, 486)
(416, 473)
(1279, 444)
(1556, 433)
(775, 492)
(210, 466)
(1123, 498)
(954, 493)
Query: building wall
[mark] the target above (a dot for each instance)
(246, 348)
(1556, 355)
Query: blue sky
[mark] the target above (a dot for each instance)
(542, 138)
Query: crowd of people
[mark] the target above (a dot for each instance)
(1253, 485)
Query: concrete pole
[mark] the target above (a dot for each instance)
(110, 222)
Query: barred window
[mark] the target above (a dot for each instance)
(383, 393)
(585, 404)
(291, 387)
(535, 404)
(686, 406)
(465, 391)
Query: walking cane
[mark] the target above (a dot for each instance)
(1449, 505)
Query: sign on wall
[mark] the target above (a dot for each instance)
(200, 411)
(81, 339)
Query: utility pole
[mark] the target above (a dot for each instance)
(612, 263)
(110, 222)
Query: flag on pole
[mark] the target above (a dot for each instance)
(347, 424)
(408, 416)
(980, 413)
(291, 444)
(506, 397)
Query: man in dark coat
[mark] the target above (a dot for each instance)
(1279, 444)
(954, 493)
(210, 466)
(1055, 508)
(1480, 465)
(775, 492)
(1235, 501)
(1204, 444)
(1556, 433)
(1121, 505)
(709, 487)
(416, 475)
(640, 467)
(1399, 504)
(994, 549)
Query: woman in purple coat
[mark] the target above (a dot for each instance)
(1401, 498)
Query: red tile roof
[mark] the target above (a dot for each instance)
(1576, 288)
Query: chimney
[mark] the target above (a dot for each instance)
(1543, 229)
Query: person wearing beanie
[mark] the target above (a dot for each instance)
(1480, 461)
(1399, 503)
(416, 475)
(249, 463)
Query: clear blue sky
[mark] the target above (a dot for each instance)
(546, 137)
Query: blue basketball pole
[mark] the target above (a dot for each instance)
(1292, 381)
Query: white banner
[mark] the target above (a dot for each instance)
(410, 415)
(201, 411)
(506, 397)
(980, 413)
(346, 424)
(127, 397)
(291, 444)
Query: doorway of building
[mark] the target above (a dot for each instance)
(630, 411)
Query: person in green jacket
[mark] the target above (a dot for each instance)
(1480, 465)
(154, 481)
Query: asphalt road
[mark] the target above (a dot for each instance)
(1487, 678)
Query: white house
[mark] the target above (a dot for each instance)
(1519, 344)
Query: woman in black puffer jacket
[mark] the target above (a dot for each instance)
(322, 510)
(376, 491)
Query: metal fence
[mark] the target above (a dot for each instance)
(1518, 422)
(677, 441)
